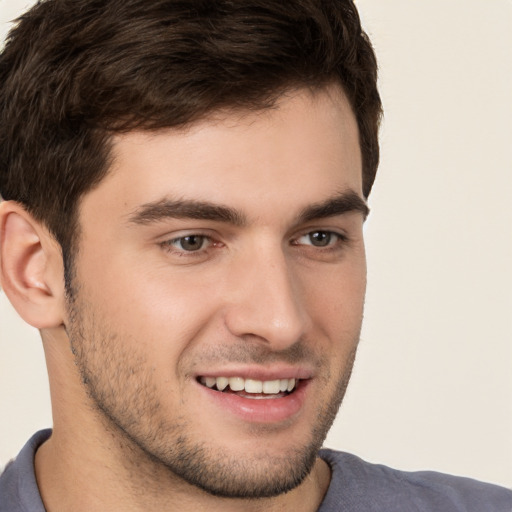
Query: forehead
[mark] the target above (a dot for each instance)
(302, 150)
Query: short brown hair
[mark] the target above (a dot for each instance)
(73, 72)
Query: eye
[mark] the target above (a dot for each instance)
(320, 239)
(189, 243)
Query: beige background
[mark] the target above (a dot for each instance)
(432, 387)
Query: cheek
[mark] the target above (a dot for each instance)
(335, 298)
(157, 311)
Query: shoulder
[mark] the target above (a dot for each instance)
(358, 485)
(18, 486)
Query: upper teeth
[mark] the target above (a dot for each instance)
(249, 385)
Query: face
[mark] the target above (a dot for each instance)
(218, 292)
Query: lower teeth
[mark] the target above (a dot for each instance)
(255, 395)
(263, 397)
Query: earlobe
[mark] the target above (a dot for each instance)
(30, 267)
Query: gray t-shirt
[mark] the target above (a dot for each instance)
(356, 486)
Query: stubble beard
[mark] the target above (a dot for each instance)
(128, 403)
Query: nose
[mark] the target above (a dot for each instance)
(266, 301)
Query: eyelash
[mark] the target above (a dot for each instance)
(332, 236)
(335, 241)
(169, 245)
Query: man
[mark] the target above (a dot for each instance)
(185, 186)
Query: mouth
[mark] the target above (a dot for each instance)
(277, 399)
(251, 388)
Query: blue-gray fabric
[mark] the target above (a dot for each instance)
(18, 486)
(356, 486)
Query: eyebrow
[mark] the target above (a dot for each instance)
(149, 213)
(348, 201)
(186, 209)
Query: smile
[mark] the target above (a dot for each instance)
(250, 388)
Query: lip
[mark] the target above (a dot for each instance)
(257, 373)
(260, 411)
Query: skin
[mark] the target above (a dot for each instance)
(147, 317)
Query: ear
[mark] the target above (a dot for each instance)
(31, 268)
